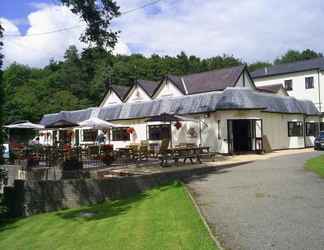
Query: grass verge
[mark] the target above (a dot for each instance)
(163, 218)
(316, 165)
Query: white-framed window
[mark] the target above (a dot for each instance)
(312, 129)
(89, 135)
(295, 129)
(309, 82)
(120, 134)
(289, 84)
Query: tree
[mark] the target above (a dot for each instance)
(1, 97)
(98, 15)
(295, 55)
(258, 65)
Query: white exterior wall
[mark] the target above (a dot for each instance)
(299, 91)
(168, 89)
(111, 98)
(275, 127)
(137, 94)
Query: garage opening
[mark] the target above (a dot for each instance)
(244, 135)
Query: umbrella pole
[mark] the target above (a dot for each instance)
(200, 133)
(171, 134)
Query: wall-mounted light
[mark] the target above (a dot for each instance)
(207, 115)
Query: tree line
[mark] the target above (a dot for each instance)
(80, 79)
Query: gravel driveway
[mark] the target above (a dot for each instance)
(268, 204)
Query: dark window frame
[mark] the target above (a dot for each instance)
(309, 82)
(156, 133)
(89, 135)
(321, 126)
(288, 84)
(312, 129)
(295, 129)
(120, 134)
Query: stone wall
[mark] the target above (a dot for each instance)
(26, 198)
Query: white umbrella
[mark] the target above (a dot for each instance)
(96, 123)
(26, 125)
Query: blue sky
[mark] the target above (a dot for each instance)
(251, 30)
(18, 10)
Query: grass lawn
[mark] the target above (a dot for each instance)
(316, 165)
(163, 218)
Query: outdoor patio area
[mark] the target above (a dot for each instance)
(149, 166)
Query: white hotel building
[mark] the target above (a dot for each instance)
(231, 114)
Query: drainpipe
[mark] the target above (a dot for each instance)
(319, 90)
(304, 129)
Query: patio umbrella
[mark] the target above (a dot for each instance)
(61, 124)
(96, 123)
(25, 125)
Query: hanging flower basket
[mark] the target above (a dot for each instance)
(130, 130)
(70, 133)
(178, 125)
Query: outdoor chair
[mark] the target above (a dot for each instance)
(107, 154)
(144, 151)
(93, 152)
(134, 150)
(165, 154)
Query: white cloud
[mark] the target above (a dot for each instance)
(249, 29)
(38, 50)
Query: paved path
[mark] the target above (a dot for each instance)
(268, 204)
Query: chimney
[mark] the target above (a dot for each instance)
(108, 83)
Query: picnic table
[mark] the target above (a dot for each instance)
(184, 153)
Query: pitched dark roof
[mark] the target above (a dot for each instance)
(312, 64)
(120, 90)
(274, 88)
(148, 86)
(214, 80)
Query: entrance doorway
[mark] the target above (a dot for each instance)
(244, 135)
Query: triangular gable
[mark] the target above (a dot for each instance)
(245, 80)
(168, 87)
(110, 98)
(136, 94)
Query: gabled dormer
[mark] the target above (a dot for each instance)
(170, 86)
(142, 90)
(115, 95)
